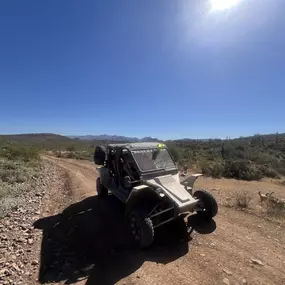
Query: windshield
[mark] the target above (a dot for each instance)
(153, 159)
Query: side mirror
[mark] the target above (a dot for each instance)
(127, 182)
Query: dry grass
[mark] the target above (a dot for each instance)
(14, 178)
(242, 199)
(274, 209)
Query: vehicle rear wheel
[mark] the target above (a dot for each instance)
(142, 228)
(208, 204)
(102, 191)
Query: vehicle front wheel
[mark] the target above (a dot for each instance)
(102, 191)
(208, 204)
(142, 228)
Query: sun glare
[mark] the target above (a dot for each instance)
(220, 5)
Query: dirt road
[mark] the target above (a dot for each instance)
(86, 241)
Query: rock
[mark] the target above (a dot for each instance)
(20, 239)
(15, 266)
(12, 257)
(202, 254)
(138, 277)
(21, 265)
(212, 244)
(30, 241)
(37, 212)
(24, 226)
(3, 237)
(227, 271)
(4, 272)
(244, 281)
(257, 261)
(34, 262)
(226, 281)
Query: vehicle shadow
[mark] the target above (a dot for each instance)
(201, 226)
(91, 240)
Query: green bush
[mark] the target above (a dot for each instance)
(206, 168)
(16, 152)
(13, 175)
(218, 170)
(241, 170)
(215, 169)
(232, 169)
(174, 152)
(268, 172)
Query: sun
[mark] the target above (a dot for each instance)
(220, 5)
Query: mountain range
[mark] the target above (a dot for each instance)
(116, 138)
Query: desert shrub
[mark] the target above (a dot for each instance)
(18, 173)
(16, 152)
(215, 169)
(8, 204)
(14, 176)
(81, 155)
(58, 153)
(274, 209)
(70, 148)
(242, 199)
(241, 170)
(265, 158)
(268, 172)
(218, 170)
(8, 165)
(206, 167)
(174, 152)
(240, 147)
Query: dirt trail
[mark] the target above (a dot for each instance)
(88, 243)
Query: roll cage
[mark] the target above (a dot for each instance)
(121, 163)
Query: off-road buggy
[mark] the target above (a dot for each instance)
(145, 177)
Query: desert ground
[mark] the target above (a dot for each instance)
(78, 238)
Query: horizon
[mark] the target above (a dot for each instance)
(134, 137)
(202, 69)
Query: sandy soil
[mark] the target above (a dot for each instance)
(86, 239)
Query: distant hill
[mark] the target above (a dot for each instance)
(40, 140)
(35, 137)
(113, 138)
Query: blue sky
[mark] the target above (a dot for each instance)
(162, 68)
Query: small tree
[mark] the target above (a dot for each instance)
(70, 148)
